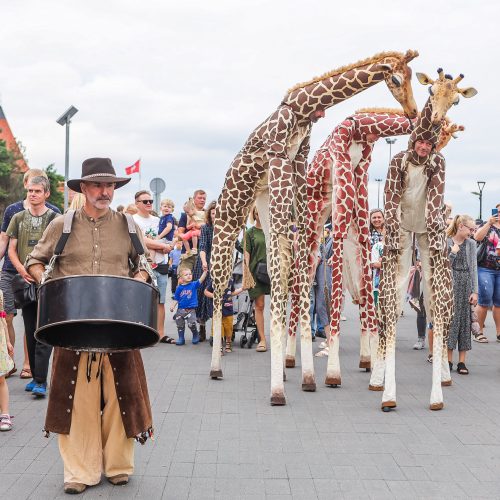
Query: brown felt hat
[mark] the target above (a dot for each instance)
(97, 170)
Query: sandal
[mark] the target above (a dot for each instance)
(5, 423)
(450, 364)
(429, 358)
(167, 340)
(482, 339)
(14, 370)
(228, 346)
(261, 347)
(26, 373)
(462, 369)
(498, 337)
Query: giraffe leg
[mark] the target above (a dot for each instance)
(391, 305)
(308, 378)
(387, 318)
(293, 321)
(333, 375)
(232, 209)
(442, 298)
(280, 261)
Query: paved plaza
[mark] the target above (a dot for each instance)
(222, 439)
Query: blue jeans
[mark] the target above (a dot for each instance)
(161, 280)
(489, 287)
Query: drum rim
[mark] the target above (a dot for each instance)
(104, 349)
(52, 280)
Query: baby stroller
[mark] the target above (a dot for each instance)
(243, 309)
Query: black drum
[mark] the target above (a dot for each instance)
(97, 313)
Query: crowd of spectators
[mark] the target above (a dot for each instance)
(181, 251)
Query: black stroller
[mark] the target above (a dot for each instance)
(243, 307)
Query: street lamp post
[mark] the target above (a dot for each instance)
(378, 181)
(390, 141)
(65, 119)
(480, 185)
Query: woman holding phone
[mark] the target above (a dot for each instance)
(489, 275)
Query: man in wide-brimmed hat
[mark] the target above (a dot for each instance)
(98, 403)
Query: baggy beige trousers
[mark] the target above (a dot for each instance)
(404, 264)
(97, 442)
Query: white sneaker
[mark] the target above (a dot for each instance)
(323, 344)
(419, 344)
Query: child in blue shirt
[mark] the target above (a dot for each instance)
(166, 226)
(186, 298)
(174, 261)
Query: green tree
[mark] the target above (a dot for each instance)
(11, 178)
(55, 179)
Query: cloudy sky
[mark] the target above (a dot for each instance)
(182, 84)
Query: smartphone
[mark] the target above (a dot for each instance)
(494, 212)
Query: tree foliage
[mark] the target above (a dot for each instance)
(11, 178)
(55, 179)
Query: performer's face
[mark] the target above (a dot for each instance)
(423, 148)
(316, 115)
(98, 194)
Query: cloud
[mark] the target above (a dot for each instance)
(182, 84)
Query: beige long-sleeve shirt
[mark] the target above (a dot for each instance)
(95, 246)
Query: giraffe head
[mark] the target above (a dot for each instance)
(448, 131)
(444, 93)
(320, 93)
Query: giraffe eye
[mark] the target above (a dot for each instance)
(430, 91)
(397, 80)
(456, 101)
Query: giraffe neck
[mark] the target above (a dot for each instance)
(333, 90)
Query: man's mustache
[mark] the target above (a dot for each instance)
(104, 199)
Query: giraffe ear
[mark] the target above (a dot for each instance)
(468, 92)
(424, 79)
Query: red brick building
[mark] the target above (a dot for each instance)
(7, 136)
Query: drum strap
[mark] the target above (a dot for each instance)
(133, 235)
(68, 222)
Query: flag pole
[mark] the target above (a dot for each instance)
(140, 183)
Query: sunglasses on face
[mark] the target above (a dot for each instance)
(146, 202)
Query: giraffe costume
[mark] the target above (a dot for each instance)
(337, 181)
(414, 206)
(270, 170)
(340, 167)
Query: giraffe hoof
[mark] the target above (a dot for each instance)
(333, 381)
(376, 387)
(446, 383)
(365, 364)
(388, 405)
(436, 406)
(278, 400)
(290, 362)
(215, 374)
(309, 387)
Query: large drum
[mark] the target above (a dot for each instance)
(97, 313)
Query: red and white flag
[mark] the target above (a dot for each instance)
(133, 169)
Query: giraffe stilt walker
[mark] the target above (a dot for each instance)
(414, 206)
(270, 170)
(354, 262)
(338, 186)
